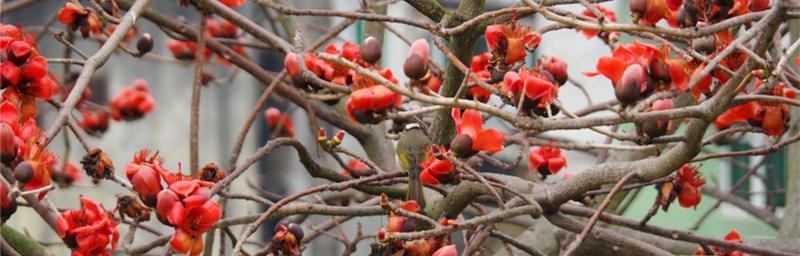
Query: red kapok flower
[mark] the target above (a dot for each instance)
(557, 67)
(546, 160)
(339, 74)
(368, 103)
(144, 172)
(610, 17)
(185, 205)
(509, 41)
(537, 86)
(221, 28)
(275, 118)
(689, 182)
(472, 138)
(356, 168)
(23, 74)
(133, 102)
(95, 121)
(449, 250)
(77, 17)
(399, 223)
(286, 240)
(480, 66)
(89, 230)
(649, 12)
(435, 170)
(67, 175)
(7, 206)
(232, 3)
(733, 237)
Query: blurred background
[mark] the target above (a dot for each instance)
(227, 102)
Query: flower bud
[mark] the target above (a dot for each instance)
(18, 52)
(628, 88)
(659, 70)
(338, 138)
(638, 9)
(461, 145)
(654, 128)
(211, 173)
(8, 144)
(371, 50)
(557, 68)
(322, 135)
(414, 67)
(24, 172)
(687, 15)
(296, 230)
(145, 43)
(705, 44)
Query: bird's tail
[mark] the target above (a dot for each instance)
(415, 188)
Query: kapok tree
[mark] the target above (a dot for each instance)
(697, 73)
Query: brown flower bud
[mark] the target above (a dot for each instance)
(371, 50)
(296, 230)
(654, 128)
(415, 67)
(97, 164)
(145, 43)
(211, 172)
(705, 44)
(8, 144)
(659, 70)
(638, 9)
(461, 145)
(24, 172)
(130, 207)
(628, 88)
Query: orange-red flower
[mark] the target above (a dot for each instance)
(610, 17)
(470, 129)
(771, 117)
(399, 223)
(221, 28)
(369, 99)
(449, 250)
(95, 121)
(649, 12)
(133, 102)
(26, 138)
(68, 174)
(144, 172)
(232, 3)
(286, 240)
(688, 186)
(339, 74)
(185, 50)
(480, 67)
(7, 206)
(612, 67)
(356, 168)
(535, 85)
(77, 17)
(733, 237)
(275, 118)
(557, 67)
(510, 42)
(546, 160)
(185, 205)
(23, 72)
(435, 170)
(89, 230)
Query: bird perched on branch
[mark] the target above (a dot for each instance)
(411, 151)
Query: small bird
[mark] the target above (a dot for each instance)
(411, 151)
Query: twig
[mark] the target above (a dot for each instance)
(593, 220)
